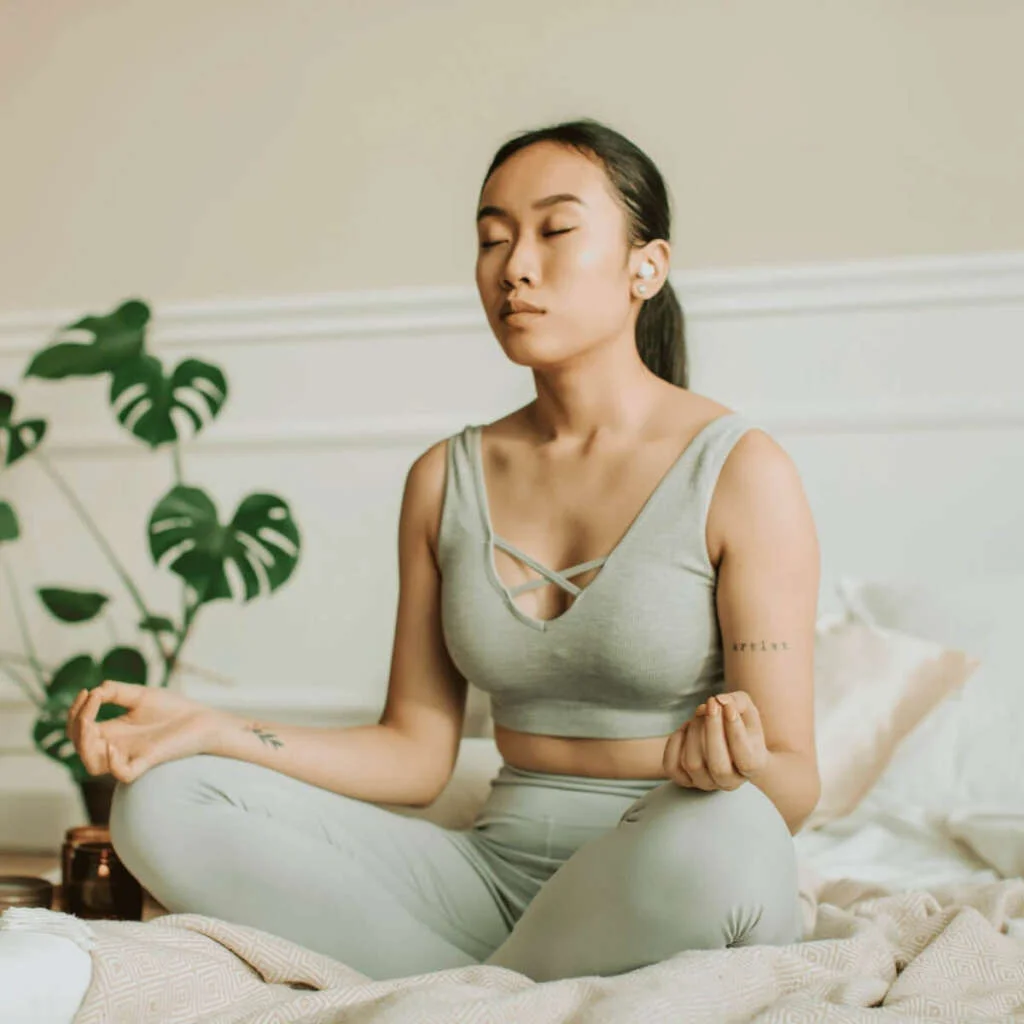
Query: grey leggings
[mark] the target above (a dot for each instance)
(558, 876)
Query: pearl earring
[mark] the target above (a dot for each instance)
(646, 269)
(641, 289)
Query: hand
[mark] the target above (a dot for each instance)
(159, 726)
(721, 747)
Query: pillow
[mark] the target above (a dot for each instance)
(969, 753)
(872, 687)
(996, 836)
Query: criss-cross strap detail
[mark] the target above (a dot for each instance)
(552, 576)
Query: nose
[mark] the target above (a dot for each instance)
(520, 266)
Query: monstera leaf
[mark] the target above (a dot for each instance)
(17, 439)
(82, 672)
(8, 522)
(143, 398)
(260, 546)
(157, 624)
(72, 605)
(117, 337)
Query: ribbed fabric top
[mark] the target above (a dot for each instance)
(637, 650)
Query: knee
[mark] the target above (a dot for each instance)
(719, 866)
(142, 812)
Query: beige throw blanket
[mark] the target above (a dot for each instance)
(952, 954)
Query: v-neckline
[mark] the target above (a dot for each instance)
(544, 625)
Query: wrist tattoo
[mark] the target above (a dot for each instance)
(267, 737)
(763, 645)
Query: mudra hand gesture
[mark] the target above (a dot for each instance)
(721, 747)
(159, 726)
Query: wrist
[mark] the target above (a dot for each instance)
(216, 728)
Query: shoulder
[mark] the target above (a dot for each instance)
(759, 498)
(423, 495)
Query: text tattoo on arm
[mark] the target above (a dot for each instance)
(763, 645)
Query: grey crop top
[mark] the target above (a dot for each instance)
(637, 650)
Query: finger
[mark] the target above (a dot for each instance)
(90, 744)
(121, 768)
(693, 755)
(71, 725)
(671, 757)
(716, 752)
(741, 746)
(126, 695)
(741, 702)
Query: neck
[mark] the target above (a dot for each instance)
(604, 396)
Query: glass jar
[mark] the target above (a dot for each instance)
(25, 891)
(100, 886)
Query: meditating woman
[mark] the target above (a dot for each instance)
(630, 569)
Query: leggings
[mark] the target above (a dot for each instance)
(558, 876)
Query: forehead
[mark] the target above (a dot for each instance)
(544, 169)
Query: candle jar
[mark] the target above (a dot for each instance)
(100, 886)
(72, 838)
(25, 891)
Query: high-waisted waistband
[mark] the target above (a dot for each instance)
(510, 775)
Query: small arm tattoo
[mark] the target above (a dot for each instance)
(267, 737)
(764, 645)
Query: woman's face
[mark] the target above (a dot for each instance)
(567, 256)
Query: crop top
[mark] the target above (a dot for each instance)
(637, 650)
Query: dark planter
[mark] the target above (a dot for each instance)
(97, 793)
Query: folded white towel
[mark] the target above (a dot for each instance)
(53, 922)
(45, 965)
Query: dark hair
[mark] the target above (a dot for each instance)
(660, 327)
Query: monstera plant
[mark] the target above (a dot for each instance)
(156, 406)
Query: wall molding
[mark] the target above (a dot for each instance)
(412, 431)
(917, 282)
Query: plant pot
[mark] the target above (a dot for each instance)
(97, 793)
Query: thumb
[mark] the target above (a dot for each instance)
(127, 695)
(121, 768)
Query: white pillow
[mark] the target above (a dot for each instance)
(997, 836)
(872, 687)
(970, 752)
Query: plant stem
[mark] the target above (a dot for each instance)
(188, 617)
(176, 457)
(171, 662)
(26, 636)
(104, 546)
(111, 628)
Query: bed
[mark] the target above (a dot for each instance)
(913, 897)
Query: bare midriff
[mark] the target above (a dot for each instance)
(571, 755)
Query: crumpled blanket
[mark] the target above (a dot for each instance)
(954, 953)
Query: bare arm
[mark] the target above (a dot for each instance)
(767, 597)
(408, 757)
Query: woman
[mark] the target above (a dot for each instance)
(652, 702)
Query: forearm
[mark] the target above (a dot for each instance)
(373, 762)
(791, 781)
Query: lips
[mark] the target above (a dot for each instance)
(510, 306)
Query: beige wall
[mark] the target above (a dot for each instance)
(215, 148)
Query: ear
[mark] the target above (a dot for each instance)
(659, 254)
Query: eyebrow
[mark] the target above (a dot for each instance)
(559, 197)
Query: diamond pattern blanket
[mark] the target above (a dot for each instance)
(954, 953)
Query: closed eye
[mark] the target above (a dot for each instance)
(547, 234)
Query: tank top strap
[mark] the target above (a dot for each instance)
(461, 512)
(684, 497)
